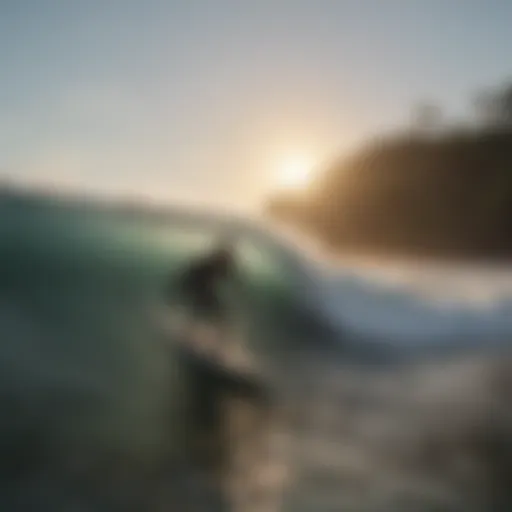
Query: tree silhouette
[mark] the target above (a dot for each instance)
(427, 118)
(494, 107)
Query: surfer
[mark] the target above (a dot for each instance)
(199, 287)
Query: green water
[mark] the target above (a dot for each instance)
(83, 362)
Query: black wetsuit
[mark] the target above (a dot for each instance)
(210, 384)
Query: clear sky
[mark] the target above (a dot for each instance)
(200, 100)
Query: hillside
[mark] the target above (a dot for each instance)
(439, 189)
(445, 195)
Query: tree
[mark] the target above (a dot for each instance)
(427, 117)
(493, 108)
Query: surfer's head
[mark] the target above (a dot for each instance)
(225, 247)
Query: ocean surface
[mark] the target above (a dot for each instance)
(397, 374)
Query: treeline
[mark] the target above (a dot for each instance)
(435, 190)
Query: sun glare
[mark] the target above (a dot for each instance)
(294, 173)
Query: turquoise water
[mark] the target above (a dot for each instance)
(93, 365)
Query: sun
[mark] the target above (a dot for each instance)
(294, 173)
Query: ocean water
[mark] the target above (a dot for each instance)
(391, 382)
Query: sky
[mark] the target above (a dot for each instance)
(200, 101)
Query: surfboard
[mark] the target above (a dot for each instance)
(218, 346)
